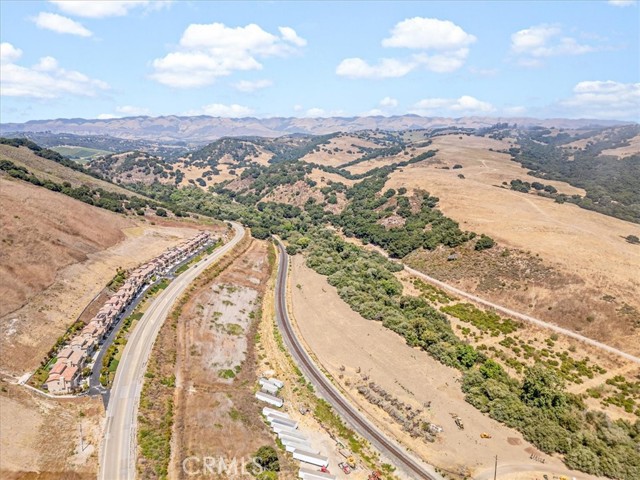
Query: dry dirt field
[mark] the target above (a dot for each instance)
(40, 437)
(43, 232)
(344, 144)
(216, 412)
(323, 178)
(383, 161)
(57, 255)
(348, 346)
(631, 149)
(574, 242)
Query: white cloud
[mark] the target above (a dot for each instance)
(221, 110)
(59, 24)
(125, 111)
(105, 8)
(604, 99)
(46, 79)
(389, 102)
(428, 34)
(9, 53)
(290, 35)
(463, 105)
(542, 41)
(386, 68)
(131, 111)
(298, 108)
(622, 3)
(442, 45)
(321, 112)
(443, 63)
(385, 107)
(249, 86)
(209, 51)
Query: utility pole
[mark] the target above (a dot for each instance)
(81, 438)
(495, 470)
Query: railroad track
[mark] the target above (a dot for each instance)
(397, 454)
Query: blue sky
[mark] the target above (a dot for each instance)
(112, 59)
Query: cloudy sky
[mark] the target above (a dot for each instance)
(103, 59)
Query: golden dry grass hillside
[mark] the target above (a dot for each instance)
(46, 169)
(595, 282)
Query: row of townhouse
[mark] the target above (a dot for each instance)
(66, 374)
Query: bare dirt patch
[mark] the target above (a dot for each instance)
(324, 178)
(339, 150)
(43, 232)
(60, 253)
(348, 346)
(216, 412)
(40, 437)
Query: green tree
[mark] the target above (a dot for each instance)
(632, 239)
(267, 458)
(543, 388)
(484, 242)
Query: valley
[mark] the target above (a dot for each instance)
(454, 205)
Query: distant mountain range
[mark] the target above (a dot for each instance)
(201, 129)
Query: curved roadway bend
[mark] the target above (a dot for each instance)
(522, 316)
(396, 453)
(118, 455)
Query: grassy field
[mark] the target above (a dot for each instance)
(81, 154)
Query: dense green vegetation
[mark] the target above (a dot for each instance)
(366, 209)
(612, 184)
(538, 406)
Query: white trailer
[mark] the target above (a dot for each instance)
(266, 411)
(265, 381)
(308, 474)
(275, 416)
(284, 422)
(301, 444)
(291, 438)
(312, 458)
(292, 434)
(288, 431)
(277, 382)
(270, 399)
(269, 388)
(292, 447)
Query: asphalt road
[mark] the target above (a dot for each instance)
(398, 456)
(95, 387)
(118, 453)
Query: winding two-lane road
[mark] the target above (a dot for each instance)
(118, 455)
(399, 456)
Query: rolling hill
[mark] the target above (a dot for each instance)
(206, 129)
